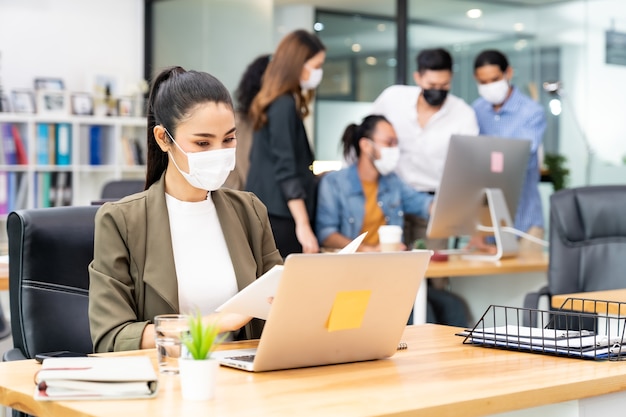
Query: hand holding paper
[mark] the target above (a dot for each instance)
(254, 299)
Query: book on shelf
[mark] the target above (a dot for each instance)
(133, 151)
(17, 191)
(60, 192)
(95, 145)
(21, 154)
(42, 137)
(42, 189)
(63, 144)
(52, 140)
(8, 144)
(4, 196)
(96, 378)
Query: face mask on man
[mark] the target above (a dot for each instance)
(388, 160)
(435, 97)
(315, 78)
(208, 170)
(495, 92)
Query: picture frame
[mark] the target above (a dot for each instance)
(23, 101)
(82, 104)
(52, 102)
(125, 106)
(51, 84)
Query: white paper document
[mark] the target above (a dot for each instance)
(254, 300)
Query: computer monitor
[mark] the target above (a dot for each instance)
(480, 186)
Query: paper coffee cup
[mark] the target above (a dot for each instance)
(390, 238)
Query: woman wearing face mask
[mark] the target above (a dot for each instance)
(184, 243)
(367, 194)
(281, 159)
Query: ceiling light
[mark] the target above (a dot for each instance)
(371, 60)
(519, 27)
(318, 26)
(555, 106)
(521, 44)
(474, 13)
(356, 47)
(381, 27)
(392, 62)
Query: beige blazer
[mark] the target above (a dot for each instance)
(132, 275)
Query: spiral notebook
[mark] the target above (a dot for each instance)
(331, 309)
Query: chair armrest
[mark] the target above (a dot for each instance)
(13, 355)
(531, 301)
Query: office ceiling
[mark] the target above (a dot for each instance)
(419, 8)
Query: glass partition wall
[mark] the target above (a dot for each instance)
(580, 43)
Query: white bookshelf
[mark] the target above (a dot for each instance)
(87, 179)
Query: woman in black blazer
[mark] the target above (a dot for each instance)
(281, 159)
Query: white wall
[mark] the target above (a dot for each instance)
(70, 39)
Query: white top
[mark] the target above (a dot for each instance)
(423, 150)
(206, 277)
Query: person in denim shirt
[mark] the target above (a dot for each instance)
(367, 194)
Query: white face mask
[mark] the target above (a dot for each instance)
(208, 169)
(388, 160)
(494, 92)
(315, 78)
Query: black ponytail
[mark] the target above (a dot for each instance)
(353, 134)
(173, 94)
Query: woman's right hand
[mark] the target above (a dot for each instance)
(307, 238)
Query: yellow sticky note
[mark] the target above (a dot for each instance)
(348, 310)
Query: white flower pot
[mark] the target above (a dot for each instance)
(197, 378)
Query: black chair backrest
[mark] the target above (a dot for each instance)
(587, 239)
(49, 251)
(121, 188)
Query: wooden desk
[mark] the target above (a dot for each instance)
(436, 376)
(499, 283)
(612, 308)
(456, 266)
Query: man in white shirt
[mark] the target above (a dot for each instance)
(424, 117)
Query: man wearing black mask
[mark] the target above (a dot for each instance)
(424, 118)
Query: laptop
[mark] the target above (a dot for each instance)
(332, 309)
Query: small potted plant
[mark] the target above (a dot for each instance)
(197, 370)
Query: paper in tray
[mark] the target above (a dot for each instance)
(592, 334)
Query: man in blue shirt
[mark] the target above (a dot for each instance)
(502, 110)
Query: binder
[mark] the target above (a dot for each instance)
(21, 154)
(8, 144)
(4, 206)
(95, 145)
(64, 144)
(42, 144)
(96, 378)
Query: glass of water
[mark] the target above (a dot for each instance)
(169, 330)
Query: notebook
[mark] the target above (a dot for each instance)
(332, 309)
(95, 378)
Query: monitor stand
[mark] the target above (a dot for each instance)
(495, 214)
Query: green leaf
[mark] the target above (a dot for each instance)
(202, 338)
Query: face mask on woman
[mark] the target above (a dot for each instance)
(207, 169)
(495, 92)
(315, 78)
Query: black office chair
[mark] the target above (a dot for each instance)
(49, 251)
(587, 242)
(114, 190)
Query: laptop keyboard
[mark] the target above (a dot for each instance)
(244, 358)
